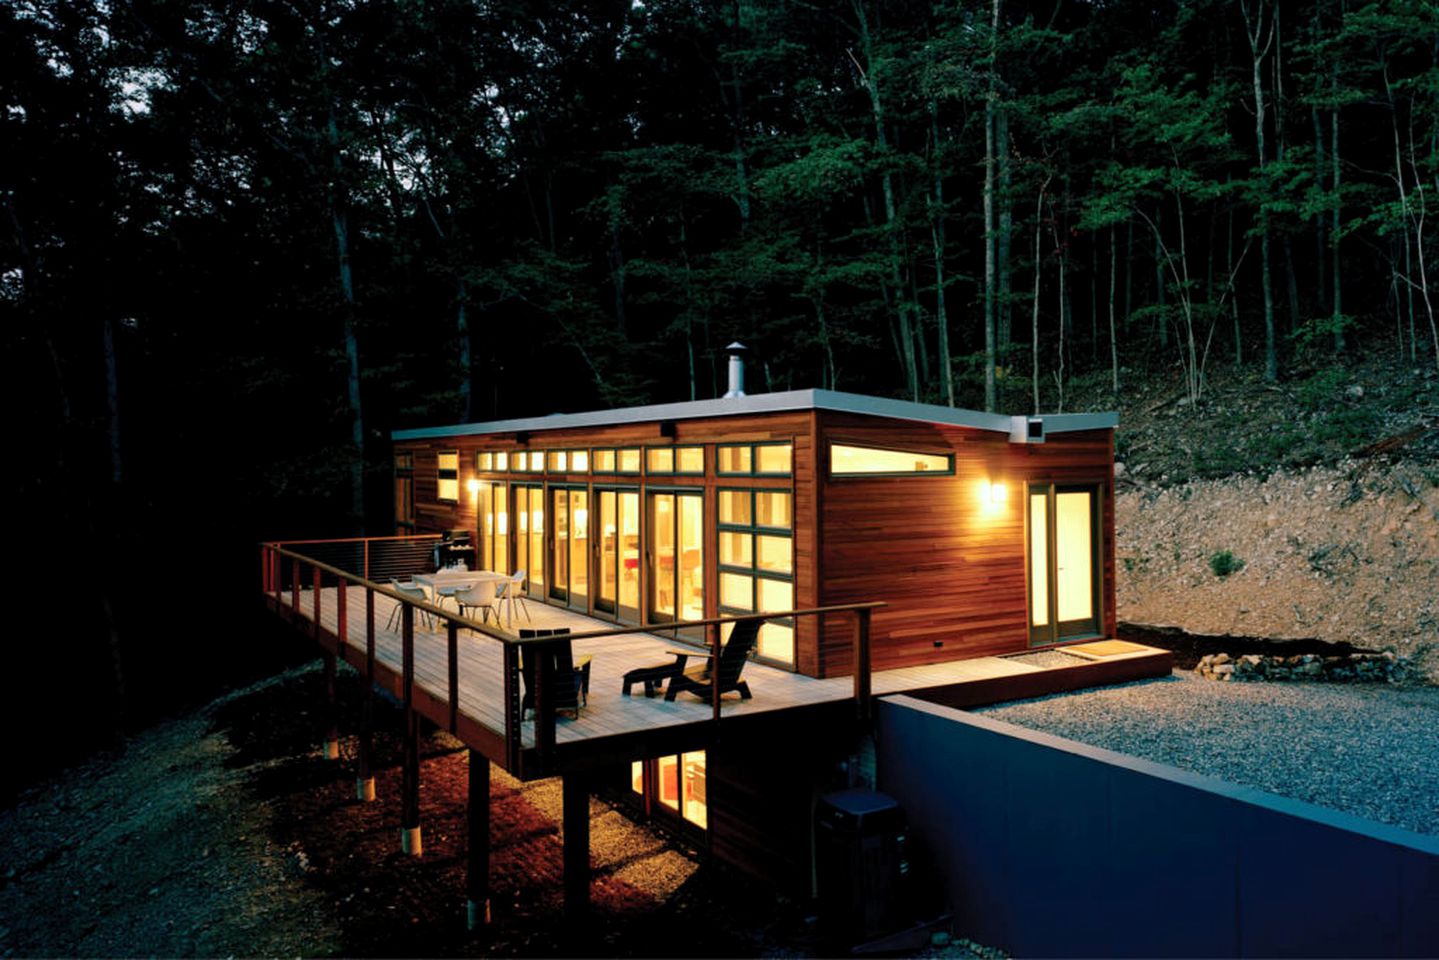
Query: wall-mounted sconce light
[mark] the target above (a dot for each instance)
(522, 436)
(996, 495)
(472, 485)
(667, 429)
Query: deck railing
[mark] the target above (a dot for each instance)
(355, 563)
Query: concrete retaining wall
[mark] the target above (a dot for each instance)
(1053, 848)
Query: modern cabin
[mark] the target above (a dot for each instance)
(984, 534)
(902, 547)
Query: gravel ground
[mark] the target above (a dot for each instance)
(1365, 749)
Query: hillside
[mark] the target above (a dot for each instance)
(1323, 489)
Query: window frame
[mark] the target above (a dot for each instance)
(674, 470)
(440, 477)
(754, 470)
(948, 471)
(754, 530)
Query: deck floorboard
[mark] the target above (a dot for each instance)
(608, 713)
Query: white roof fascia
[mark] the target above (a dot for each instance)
(765, 403)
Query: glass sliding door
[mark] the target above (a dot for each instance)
(494, 513)
(1064, 566)
(579, 549)
(530, 536)
(560, 523)
(676, 556)
(617, 571)
(569, 567)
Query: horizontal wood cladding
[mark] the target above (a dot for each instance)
(950, 564)
(761, 789)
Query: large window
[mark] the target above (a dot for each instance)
(404, 493)
(846, 460)
(754, 459)
(684, 460)
(756, 563)
(449, 476)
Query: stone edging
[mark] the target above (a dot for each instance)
(1384, 667)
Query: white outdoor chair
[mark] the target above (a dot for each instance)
(481, 597)
(415, 592)
(512, 591)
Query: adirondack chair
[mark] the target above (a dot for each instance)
(732, 659)
(570, 678)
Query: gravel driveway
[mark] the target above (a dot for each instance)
(1366, 749)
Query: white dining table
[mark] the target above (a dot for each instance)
(451, 580)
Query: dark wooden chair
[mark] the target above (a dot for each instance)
(732, 658)
(569, 678)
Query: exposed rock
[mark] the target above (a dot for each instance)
(1386, 667)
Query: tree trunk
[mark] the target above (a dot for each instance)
(1003, 308)
(1334, 269)
(905, 336)
(1113, 337)
(936, 230)
(990, 265)
(1034, 298)
(467, 365)
(1260, 41)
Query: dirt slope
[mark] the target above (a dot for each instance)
(1343, 553)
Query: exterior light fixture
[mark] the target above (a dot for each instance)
(472, 485)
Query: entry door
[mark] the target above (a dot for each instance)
(617, 555)
(569, 568)
(676, 556)
(1064, 566)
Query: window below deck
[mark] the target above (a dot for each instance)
(846, 460)
(676, 783)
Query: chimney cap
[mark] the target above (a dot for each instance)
(735, 347)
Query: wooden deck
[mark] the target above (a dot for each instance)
(614, 726)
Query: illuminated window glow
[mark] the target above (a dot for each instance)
(755, 459)
(756, 555)
(449, 476)
(846, 460)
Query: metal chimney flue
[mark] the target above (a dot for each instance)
(736, 353)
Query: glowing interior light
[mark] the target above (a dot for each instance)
(473, 486)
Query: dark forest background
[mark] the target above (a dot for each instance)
(242, 241)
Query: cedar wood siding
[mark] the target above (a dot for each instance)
(796, 427)
(952, 573)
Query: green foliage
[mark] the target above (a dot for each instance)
(1224, 562)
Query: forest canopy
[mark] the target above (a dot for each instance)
(380, 214)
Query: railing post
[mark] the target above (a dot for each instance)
(295, 589)
(712, 635)
(275, 576)
(514, 723)
(367, 558)
(861, 665)
(544, 709)
(264, 568)
(342, 618)
(364, 777)
(410, 841)
(316, 587)
(453, 652)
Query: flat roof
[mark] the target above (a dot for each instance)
(787, 401)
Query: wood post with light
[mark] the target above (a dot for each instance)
(477, 841)
(364, 775)
(575, 789)
(410, 841)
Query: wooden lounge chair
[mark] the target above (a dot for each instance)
(732, 659)
(570, 678)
